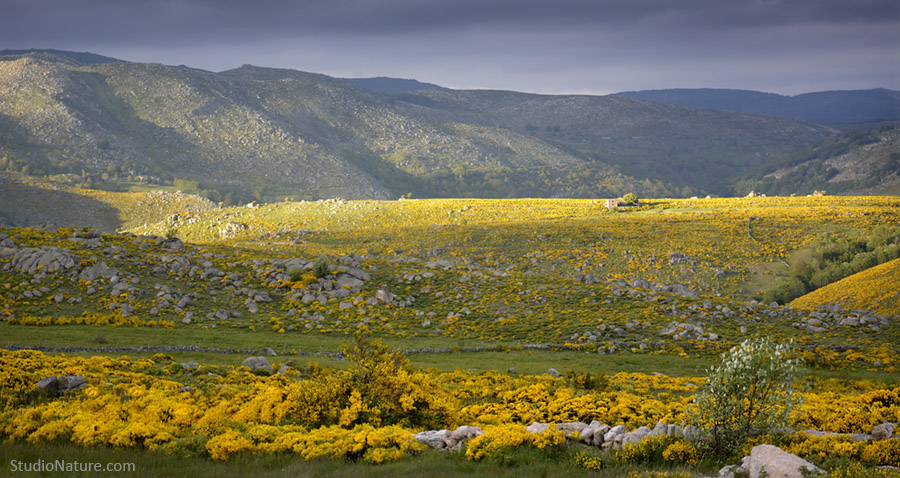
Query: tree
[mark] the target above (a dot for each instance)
(630, 197)
(748, 391)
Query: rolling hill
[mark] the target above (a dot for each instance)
(833, 108)
(262, 133)
(873, 289)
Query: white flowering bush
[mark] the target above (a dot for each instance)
(748, 391)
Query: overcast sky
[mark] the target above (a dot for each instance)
(542, 46)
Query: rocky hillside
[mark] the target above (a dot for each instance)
(858, 163)
(686, 147)
(29, 202)
(267, 133)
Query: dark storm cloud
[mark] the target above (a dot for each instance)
(546, 45)
(195, 19)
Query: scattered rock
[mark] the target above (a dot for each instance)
(459, 436)
(537, 427)
(384, 296)
(434, 438)
(257, 362)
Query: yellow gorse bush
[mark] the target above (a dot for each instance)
(499, 438)
(223, 411)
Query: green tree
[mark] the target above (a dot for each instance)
(630, 197)
(749, 390)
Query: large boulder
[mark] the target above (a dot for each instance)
(537, 427)
(6, 241)
(254, 363)
(883, 431)
(433, 438)
(97, 270)
(349, 281)
(68, 383)
(772, 462)
(44, 260)
(49, 385)
(384, 296)
(636, 435)
(458, 437)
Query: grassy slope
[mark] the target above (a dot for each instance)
(874, 289)
(27, 201)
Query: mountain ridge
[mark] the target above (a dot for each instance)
(831, 108)
(254, 132)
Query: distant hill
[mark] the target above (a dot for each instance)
(255, 133)
(81, 57)
(689, 148)
(831, 108)
(384, 84)
(863, 162)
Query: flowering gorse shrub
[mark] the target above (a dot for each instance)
(749, 390)
(501, 438)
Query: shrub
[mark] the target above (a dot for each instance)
(587, 381)
(320, 268)
(658, 450)
(748, 391)
(296, 274)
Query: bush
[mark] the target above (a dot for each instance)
(320, 268)
(749, 391)
(587, 381)
(648, 451)
(630, 197)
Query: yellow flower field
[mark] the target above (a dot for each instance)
(874, 289)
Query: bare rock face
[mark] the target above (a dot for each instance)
(773, 462)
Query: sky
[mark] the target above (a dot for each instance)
(541, 46)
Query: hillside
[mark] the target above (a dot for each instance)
(834, 108)
(29, 202)
(873, 289)
(268, 134)
(859, 163)
(687, 147)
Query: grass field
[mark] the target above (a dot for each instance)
(472, 288)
